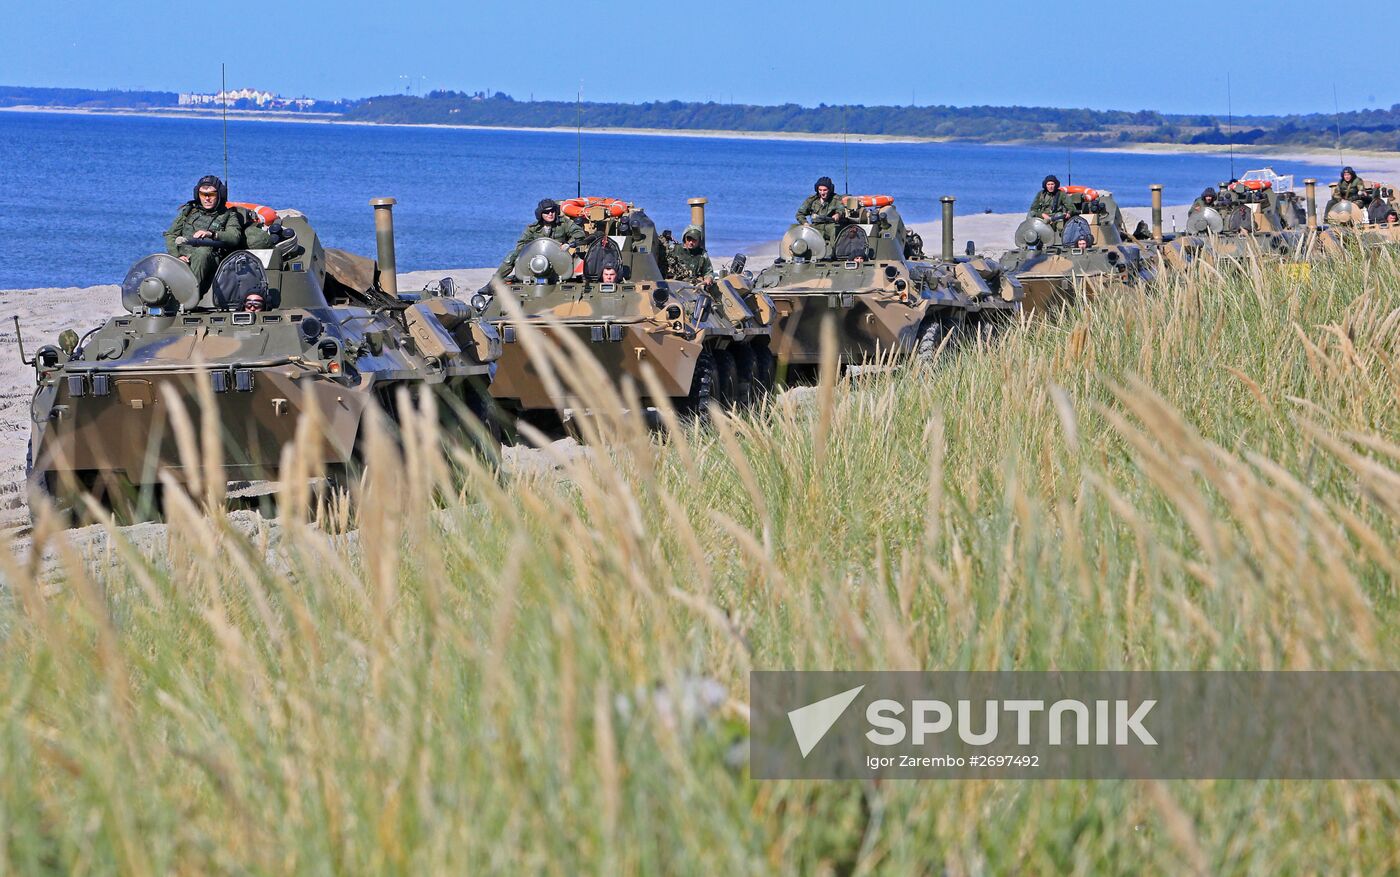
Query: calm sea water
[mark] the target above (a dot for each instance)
(82, 197)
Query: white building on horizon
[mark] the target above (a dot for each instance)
(263, 99)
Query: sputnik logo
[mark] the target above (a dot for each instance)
(811, 722)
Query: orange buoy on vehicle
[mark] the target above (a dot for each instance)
(1088, 193)
(266, 215)
(1256, 185)
(873, 200)
(576, 207)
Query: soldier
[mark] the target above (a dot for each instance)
(689, 261)
(822, 208)
(1207, 199)
(205, 216)
(548, 224)
(1051, 204)
(1351, 187)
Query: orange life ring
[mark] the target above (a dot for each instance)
(873, 200)
(1256, 185)
(266, 215)
(576, 207)
(1088, 193)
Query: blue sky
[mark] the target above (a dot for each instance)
(1164, 56)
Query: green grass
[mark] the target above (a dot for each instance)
(1204, 478)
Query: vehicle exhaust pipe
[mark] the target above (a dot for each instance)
(697, 213)
(947, 201)
(1157, 212)
(384, 238)
(1311, 185)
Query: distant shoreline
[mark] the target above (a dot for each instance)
(1387, 160)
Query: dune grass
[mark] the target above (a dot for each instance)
(548, 672)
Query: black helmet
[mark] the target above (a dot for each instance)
(1348, 170)
(546, 204)
(211, 180)
(824, 181)
(1050, 178)
(1208, 193)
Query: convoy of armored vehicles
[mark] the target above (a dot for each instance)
(289, 329)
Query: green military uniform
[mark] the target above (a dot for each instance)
(1200, 203)
(1052, 203)
(222, 222)
(820, 210)
(690, 265)
(563, 230)
(1353, 190)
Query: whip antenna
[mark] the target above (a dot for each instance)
(223, 92)
(1337, 121)
(845, 154)
(578, 192)
(1069, 166)
(1230, 125)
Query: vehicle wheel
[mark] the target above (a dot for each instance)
(765, 369)
(745, 391)
(702, 389)
(936, 338)
(486, 425)
(727, 379)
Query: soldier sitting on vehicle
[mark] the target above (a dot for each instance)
(689, 261)
(548, 224)
(1352, 188)
(1051, 204)
(1207, 199)
(204, 230)
(822, 208)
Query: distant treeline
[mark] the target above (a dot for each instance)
(1363, 129)
(1367, 129)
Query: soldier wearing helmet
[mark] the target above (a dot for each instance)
(1207, 199)
(1351, 187)
(1050, 204)
(204, 230)
(822, 208)
(689, 261)
(549, 223)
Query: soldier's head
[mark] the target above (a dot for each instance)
(824, 188)
(610, 273)
(1208, 197)
(254, 302)
(693, 239)
(210, 193)
(1392, 217)
(547, 211)
(1348, 174)
(1051, 183)
(1081, 243)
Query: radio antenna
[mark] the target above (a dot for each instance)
(1230, 125)
(845, 154)
(1069, 164)
(223, 93)
(1337, 121)
(578, 192)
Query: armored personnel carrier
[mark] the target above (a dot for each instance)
(1374, 217)
(1255, 217)
(704, 342)
(283, 330)
(867, 274)
(1085, 251)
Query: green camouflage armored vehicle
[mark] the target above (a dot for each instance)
(865, 273)
(1257, 216)
(282, 330)
(1083, 251)
(1372, 214)
(704, 341)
